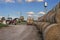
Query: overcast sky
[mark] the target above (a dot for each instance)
(24, 7)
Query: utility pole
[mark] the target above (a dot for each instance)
(8, 15)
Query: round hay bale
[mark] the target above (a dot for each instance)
(52, 32)
(35, 23)
(44, 26)
(58, 16)
(48, 16)
(39, 25)
(51, 16)
(39, 19)
(42, 18)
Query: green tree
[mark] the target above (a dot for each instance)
(22, 18)
(3, 18)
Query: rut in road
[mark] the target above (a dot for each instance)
(19, 32)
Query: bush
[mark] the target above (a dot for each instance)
(3, 25)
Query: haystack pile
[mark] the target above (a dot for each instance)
(49, 24)
(52, 32)
(53, 15)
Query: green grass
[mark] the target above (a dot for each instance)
(3, 25)
(23, 23)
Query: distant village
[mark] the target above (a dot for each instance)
(10, 20)
(15, 21)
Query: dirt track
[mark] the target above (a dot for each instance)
(19, 32)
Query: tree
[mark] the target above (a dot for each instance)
(3, 18)
(22, 18)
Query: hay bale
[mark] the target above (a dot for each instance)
(58, 13)
(48, 16)
(58, 16)
(39, 25)
(51, 16)
(52, 32)
(35, 23)
(39, 19)
(42, 25)
(42, 19)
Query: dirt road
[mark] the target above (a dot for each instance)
(19, 32)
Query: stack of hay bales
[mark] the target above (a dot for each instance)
(51, 16)
(52, 32)
(42, 25)
(42, 19)
(35, 23)
(58, 13)
(49, 24)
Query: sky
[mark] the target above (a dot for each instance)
(17, 8)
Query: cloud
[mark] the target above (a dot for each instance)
(9, 1)
(30, 16)
(40, 0)
(30, 13)
(41, 13)
(13, 17)
(1, 16)
(29, 0)
(34, 0)
(20, 1)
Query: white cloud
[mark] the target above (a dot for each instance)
(34, 0)
(20, 1)
(40, 0)
(41, 13)
(14, 17)
(1, 16)
(30, 13)
(29, 0)
(30, 16)
(9, 1)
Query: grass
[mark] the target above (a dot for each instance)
(3, 25)
(23, 23)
